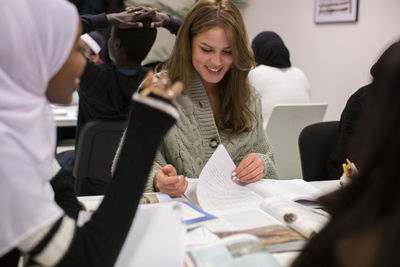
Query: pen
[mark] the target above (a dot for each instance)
(346, 170)
(155, 178)
(157, 165)
(160, 168)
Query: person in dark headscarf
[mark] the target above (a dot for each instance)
(269, 49)
(349, 119)
(275, 78)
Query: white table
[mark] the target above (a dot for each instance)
(65, 115)
(284, 258)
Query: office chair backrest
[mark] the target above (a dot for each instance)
(283, 129)
(316, 143)
(95, 150)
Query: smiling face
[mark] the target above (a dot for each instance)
(211, 55)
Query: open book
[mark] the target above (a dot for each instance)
(238, 250)
(267, 203)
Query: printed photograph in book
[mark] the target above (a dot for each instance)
(268, 235)
(148, 199)
(152, 198)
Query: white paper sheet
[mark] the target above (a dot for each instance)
(156, 238)
(217, 191)
(296, 189)
(199, 235)
(241, 219)
(189, 213)
(190, 192)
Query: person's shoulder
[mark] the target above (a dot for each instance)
(297, 71)
(261, 69)
(94, 74)
(359, 95)
(354, 105)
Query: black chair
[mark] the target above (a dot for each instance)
(94, 153)
(316, 142)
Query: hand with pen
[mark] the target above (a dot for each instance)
(169, 182)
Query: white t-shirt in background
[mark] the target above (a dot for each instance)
(279, 86)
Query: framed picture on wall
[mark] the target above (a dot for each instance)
(333, 11)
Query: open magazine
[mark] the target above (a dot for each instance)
(267, 203)
(238, 250)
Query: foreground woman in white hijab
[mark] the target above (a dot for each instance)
(40, 62)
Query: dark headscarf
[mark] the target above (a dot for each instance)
(270, 50)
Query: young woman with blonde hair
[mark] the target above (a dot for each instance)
(212, 58)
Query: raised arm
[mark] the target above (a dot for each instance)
(129, 18)
(100, 240)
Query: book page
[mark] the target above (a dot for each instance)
(302, 219)
(241, 219)
(296, 189)
(190, 192)
(217, 191)
(199, 235)
(188, 213)
(270, 231)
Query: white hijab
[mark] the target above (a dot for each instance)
(36, 38)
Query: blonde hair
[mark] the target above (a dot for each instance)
(235, 115)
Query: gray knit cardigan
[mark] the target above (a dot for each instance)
(187, 145)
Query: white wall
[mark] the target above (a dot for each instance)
(335, 57)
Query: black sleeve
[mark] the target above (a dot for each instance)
(64, 194)
(90, 73)
(174, 25)
(99, 241)
(93, 22)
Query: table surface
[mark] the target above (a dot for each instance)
(284, 258)
(65, 115)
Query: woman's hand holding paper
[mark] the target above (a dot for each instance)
(250, 169)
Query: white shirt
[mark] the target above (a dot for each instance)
(279, 86)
